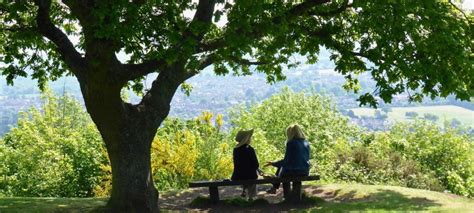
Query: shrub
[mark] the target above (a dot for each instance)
(317, 115)
(53, 152)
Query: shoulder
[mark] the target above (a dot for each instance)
(250, 148)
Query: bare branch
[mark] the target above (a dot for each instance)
(65, 47)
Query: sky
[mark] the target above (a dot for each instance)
(468, 4)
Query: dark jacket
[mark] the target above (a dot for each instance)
(296, 160)
(245, 163)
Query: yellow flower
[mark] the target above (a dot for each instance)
(219, 121)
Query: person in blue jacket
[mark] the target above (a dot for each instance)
(245, 162)
(296, 160)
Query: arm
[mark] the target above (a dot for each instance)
(233, 161)
(288, 155)
(254, 159)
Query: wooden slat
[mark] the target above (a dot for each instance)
(258, 181)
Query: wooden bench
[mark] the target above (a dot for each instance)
(296, 196)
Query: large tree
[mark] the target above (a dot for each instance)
(420, 47)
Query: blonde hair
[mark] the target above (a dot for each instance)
(294, 131)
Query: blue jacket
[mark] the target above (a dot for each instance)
(296, 158)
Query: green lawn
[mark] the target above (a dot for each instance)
(335, 198)
(28, 204)
(444, 112)
(357, 197)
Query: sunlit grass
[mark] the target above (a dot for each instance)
(444, 113)
(40, 205)
(325, 197)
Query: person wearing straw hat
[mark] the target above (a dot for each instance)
(245, 162)
(296, 160)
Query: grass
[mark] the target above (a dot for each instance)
(358, 197)
(444, 112)
(326, 198)
(353, 198)
(39, 205)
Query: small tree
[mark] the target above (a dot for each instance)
(431, 117)
(425, 46)
(411, 114)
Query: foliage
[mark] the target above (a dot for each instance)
(317, 115)
(403, 51)
(54, 151)
(448, 154)
(193, 149)
(58, 152)
(417, 155)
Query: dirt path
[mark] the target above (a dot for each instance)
(181, 201)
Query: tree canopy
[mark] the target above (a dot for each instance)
(423, 47)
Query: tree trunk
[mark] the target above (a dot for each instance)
(132, 183)
(128, 131)
(128, 134)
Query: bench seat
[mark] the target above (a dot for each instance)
(214, 191)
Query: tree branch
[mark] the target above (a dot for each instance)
(204, 11)
(337, 11)
(243, 61)
(301, 9)
(201, 21)
(294, 12)
(203, 15)
(134, 71)
(461, 11)
(65, 47)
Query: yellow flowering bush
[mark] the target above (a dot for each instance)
(190, 150)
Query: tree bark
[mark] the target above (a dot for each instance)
(128, 143)
(128, 134)
(132, 182)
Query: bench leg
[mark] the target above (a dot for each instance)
(214, 194)
(296, 191)
(286, 191)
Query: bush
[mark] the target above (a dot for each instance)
(53, 152)
(317, 115)
(187, 150)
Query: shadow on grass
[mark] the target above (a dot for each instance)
(380, 200)
(258, 205)
(349, 201)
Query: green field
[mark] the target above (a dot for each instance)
(325, 198)
(444, 112)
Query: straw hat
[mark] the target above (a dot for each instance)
(243, 137)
